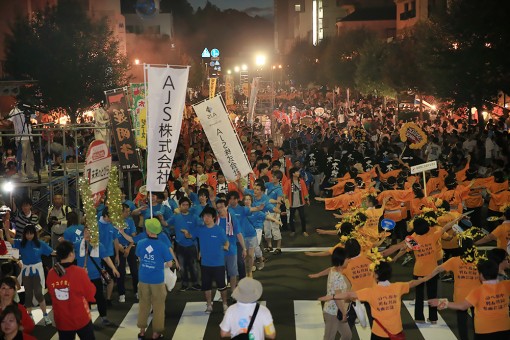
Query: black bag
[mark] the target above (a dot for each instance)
(339, 315)
(105, 276)
(246, 336)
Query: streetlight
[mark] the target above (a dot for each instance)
(137, 61)
(260, 60)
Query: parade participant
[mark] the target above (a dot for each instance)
(153, 256)
(74, 231)
(347, 201)
(494, 188)
(466, 278)
(385, 301)
(11, 325)
(246, 315)
(297, 194)
(426, 255)
(201, 202)
(499, 201)
(89, 257)
(126, 253)
(8, 286)
(335, 312)
(231, 226)
(253, 225)
(435, 183)
(273, 223)
(160, 211)
(108, 238)
(185, 248)
(501, 234)
(213, 245)
(31, 249)
(220, 184)
(69, 286)
(490, 301)
(242, 214)
(454, 194)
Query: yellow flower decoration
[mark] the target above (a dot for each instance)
(358, 134)
(415, 134)
(376, 257)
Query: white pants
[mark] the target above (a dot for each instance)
(258, 251)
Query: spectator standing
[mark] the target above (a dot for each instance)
(239, 316)
(154, 255)
(71, 292)
(8, 286)
(11, 326)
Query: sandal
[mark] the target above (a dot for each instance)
(277, 251)
(268, 249)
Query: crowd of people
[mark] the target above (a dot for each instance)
(218, 232)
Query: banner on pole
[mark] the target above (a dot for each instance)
(253, 99)
(122, 131)
(222, 137)
(229, 90)
(166, 98)
(212, 87)
(97, 168)
(139, 114)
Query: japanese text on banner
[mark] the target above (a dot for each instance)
(166, 97)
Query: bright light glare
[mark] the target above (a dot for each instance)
(8, 186)
(229, 72)
(137, 61)
(260, 60)
(244, 67)
(434, 107)
(236, 69)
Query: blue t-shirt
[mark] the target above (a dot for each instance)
(92, 271)
(274, 191)
(161, 236)
(107, 233)
(157, 210)
(74, 233)
(232, 239)
(264, 199)
(241, 213)
(30, 254)
(197, 209)
(211, 245)
(152, 254)
(130, 230)
(189, 222)
(255, 220)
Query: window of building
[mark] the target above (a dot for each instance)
(297, 7)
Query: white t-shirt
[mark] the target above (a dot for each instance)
(238, 316)
(17, 117)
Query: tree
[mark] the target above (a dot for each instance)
(73, 58)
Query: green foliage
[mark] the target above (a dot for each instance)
(73, 58)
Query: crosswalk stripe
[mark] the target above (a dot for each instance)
(128, 328)
(364, 333)
(193, 322)
(438, 331)
(308, 319)
(94, 315)
(303, 249)
(37, 314)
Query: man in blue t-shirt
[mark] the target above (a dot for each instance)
(213, 245)
(108, 238)
(154, 257)
(186, 248)
(232, 228)
(126, 252)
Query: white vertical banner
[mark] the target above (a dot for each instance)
(223, 139)
(165, 106)
(253, 99)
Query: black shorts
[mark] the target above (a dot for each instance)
(210, 274)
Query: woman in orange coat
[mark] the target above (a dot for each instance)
(297, 194)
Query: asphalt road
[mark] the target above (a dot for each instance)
(288, 293)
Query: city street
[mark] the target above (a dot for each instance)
(288, 293)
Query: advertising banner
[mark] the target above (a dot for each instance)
(97, 168)
(229, 90)
(166, 98)
(223, 138)
(122, 130)
(139, 114)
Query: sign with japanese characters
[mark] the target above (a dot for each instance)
(222, 137)
(139, 114)
(97, 168)
(229, 90)
(122, 130)
(165, 99)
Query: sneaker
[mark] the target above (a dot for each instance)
(225, 307)
(268, 249)
(196, 287)
(47, 320)
(106, 322)
(184, 288)
(447, 278)
(260, 265)
(305, 234)
(253, 268)
(277, 251)
(122, 298)
(208, 310)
